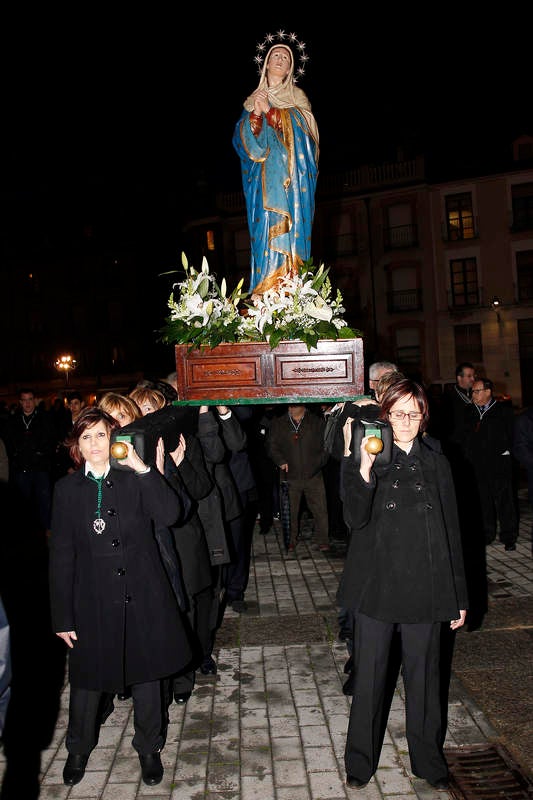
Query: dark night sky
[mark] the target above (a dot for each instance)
(133, 109)
(153, 98)
(113, 117)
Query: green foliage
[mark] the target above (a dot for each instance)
(298, 307)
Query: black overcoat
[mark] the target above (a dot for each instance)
(489, 436)
(405, 561)
(189, 536)
(112, 588)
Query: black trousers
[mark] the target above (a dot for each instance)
(497, 496)
(420, 656)
(241, 529)
(149, 718)
(199, 617)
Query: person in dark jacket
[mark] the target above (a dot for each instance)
(488, 445)
(31, 445)
(403, 572)
(185, 469)
(191, 480)
(110, 598)
(233, 424)
(451, 429)
(221, 505)
(296, 446)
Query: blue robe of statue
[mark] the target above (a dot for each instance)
(279, 174)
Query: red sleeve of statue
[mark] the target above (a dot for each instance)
(274, 118)
(256, 123)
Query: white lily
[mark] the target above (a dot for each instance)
(317, 311)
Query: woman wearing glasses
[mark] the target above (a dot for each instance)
(403, 573)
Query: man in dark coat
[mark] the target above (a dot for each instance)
(296, 446)
(31, 443)
(488, 447)
(452, 429)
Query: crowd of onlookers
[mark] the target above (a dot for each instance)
(232, 470)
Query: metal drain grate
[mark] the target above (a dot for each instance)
(486, 772)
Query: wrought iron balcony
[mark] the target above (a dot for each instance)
(404, 300)
(400, 236)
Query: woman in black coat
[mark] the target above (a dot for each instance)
(111, 600)
(403, 572)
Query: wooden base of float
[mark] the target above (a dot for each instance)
(252, 372)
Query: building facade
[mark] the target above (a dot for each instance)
(433, 271)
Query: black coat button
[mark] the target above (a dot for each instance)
(418, 487)
(115, 543)
(127, 599)
(111, 512)
(121, 571)
(391, 505)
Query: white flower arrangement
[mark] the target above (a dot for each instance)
(298, 307)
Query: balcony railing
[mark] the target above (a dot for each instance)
(400, 236)
(404, 300)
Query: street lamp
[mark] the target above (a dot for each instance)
(65, 364)
(496, 305)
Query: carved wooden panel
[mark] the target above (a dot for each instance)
(334, 370)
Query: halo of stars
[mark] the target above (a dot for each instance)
(281, 37)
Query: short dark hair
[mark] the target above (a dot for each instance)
(405, 388)
(89, 416)
(462, 366)
(487, 383)
(74, 396)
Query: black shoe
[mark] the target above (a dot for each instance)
(125, 695)
(152, 768)
(509, 547)
(74, 769)
(348, 667)
(208, 666)
(240, 606)
(182, 697)
(349, 685)
(355, 783)
(441, 784)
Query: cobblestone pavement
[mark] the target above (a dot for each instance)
(271, 724)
